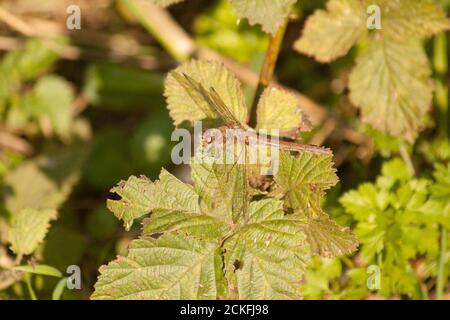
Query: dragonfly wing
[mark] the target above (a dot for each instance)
(196, 92)
(221, 108)
(214, 102)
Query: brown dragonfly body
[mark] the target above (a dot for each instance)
(217, 105)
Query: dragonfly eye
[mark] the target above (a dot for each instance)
(209, 140)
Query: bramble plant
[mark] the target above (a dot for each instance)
(224, 237)
(90, 99)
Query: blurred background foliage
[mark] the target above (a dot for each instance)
(80, 110)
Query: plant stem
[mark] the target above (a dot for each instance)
(268, 68)
(159, 24)
(30, 287)
(407, 158)
(441, 266)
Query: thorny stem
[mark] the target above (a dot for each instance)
(268, 68)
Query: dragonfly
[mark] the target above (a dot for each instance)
(238, 176)
(216, 105)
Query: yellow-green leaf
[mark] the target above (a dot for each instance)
(41, 269)
(265, 258)
(392, 86)
(169, 268)
(329, 34)
(303, 180)
(279, 109)
(402, 19)
(140, 196)
(268, 13)
(327, 238)
(186, 104)
(28, 229)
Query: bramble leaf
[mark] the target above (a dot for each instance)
(327, 238)
(210, 240)
(330, 34)
(403, 19)
(55, 174)
(222, 188)
(28, 229)
(265, 259)
(186, 104)
(32, 209)
(279, 109)
(170, 267)
(268, 13)
(392, 86)
(140, 196)
(304, 179)
(202, 226)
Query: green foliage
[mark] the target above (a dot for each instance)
(29, 211)
(213, 239)
(95, 109)
(50, 98)
(217, 29)
(396, 222)
(391, 81)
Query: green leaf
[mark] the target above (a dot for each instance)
(186, 104)
(170, 267)
(279, 109)
(396, 224)
(266, 258)
(140, 196)
(392, 86)
(202, 226)
(52, 98)
(441, 189)
(330, 34)
(268, 13)
(59, 289)
(54, 174)
(405, 18)
(41, 269)
(304, 179)
(223, 188)
(328, 239)
(28, 229)
(216, 28)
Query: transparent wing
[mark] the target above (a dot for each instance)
(216, 106)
